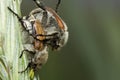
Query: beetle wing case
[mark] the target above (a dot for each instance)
(51, 24)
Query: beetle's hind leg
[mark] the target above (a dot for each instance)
(28, 66)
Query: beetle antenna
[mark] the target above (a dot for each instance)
(57, 6)
(19, 18)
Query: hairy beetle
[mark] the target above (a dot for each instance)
(47, 30)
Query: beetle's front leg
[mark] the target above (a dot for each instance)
(19, 18)
(39, 4)
(25, 50)
(29, 48)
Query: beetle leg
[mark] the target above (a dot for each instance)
(29, 64)
(26, 51)
(40, 4)
(57, 5)
(19, 18)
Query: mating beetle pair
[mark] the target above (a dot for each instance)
(47, 29)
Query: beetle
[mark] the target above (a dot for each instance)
(47, 30)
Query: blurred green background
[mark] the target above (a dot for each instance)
(93, 48)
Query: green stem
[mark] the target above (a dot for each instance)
(10, 42)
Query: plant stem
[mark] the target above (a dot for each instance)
(10, 42)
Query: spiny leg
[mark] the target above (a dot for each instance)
(57, 5)
(19, 18)
(28, 66)
(26, 51)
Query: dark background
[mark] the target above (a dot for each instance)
(93, 48)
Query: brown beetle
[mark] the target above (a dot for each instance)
(47, 30)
